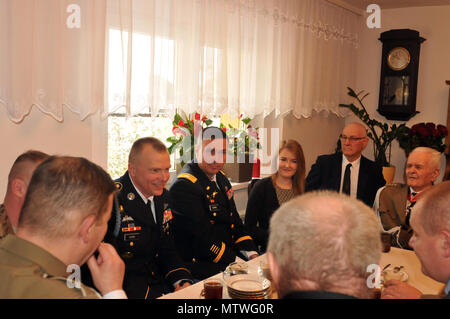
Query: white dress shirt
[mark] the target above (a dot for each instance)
(145, 199)
(354, 174)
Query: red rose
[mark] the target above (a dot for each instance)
(181, 123)
(442, 130)
(423, 132)
(197, 116)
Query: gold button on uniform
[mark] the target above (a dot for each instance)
(131, 244)
(214, 214)
(232, 225)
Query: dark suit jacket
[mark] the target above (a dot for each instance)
(147, 248)
(325, 173)
(208, 230)
(262, 203)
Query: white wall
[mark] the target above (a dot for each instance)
(433, 23)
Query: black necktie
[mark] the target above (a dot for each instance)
(346, 183)
(149, 210)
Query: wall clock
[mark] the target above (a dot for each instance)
(399, 72)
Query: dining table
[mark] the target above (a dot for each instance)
(404, 259)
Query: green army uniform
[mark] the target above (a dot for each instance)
(30, 272)
(5, 224)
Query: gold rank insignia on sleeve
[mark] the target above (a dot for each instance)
(218, 252)
(188, 176)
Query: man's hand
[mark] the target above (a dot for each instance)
(396, 289)
(178, 287)
(107, 270)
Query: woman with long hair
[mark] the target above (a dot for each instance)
(271, 192)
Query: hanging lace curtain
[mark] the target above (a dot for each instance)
(229, 56)
(47, 61)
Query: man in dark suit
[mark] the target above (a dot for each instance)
(430, 221)
(208, 230)
(141, 230)
(316, 252)
(348, 172)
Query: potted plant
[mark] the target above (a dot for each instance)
(243, 143)
(184, 130)
(423, 134)
(381, 134)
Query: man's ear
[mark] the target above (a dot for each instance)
(274, 268)
(445, 245)
(436, 174)
(86, 227)
(19, 188)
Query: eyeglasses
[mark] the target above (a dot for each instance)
(350, 138)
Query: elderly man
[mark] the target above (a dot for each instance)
(394, 202)
(430, 221)
(320, 246)
(18, 180)
(208, 230)
(62, 223)
(141, 230)
(348, 172)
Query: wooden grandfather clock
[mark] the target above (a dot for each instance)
(399, 73)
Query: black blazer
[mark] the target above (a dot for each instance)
(262, 203)
(325, 173)
(147, 248)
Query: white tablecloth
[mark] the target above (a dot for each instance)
(396, 257)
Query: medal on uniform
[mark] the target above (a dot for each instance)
(230, 194)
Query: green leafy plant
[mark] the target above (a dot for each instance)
(243, 139)
(380, 133)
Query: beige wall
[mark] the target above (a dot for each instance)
(42, 132)
(433, 23)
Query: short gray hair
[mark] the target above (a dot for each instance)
(435, 213)
(435, 162)
(327, 238)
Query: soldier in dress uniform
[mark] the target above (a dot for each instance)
(141, 227)
(62, 223)
(208, 230)
(18, 180)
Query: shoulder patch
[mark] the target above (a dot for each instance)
(223, 173)
(188, 176)
(118, 185)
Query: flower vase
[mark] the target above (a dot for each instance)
(389, 174)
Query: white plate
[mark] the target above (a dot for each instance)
(248, 283)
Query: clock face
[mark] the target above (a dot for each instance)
(398, 58)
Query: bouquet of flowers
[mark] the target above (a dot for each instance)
(243, 139)
(185, 128)
(423, 134)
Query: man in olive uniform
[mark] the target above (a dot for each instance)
(208, 231)
(62, 223)
(18, 180)
(141, 232)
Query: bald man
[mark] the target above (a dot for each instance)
(348, 172)
(18, 179)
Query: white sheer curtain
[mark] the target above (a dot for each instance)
(235, 56)
(45, 63)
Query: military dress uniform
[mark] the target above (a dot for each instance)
(5, 224)
(28, 271)
(208, 231)
(147, 248)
